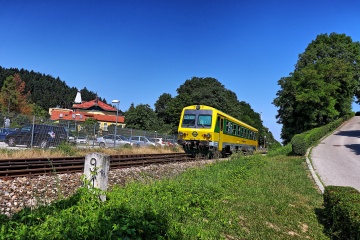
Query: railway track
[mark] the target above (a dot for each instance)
(10, 168)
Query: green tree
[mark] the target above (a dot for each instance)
(141, 117)
(90, 126)
(39, 111)
(87, 95)
(161, 105)
(9, 98)
(322, 86)
(13, 96)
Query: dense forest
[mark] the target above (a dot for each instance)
(41, 88)
(28, 92)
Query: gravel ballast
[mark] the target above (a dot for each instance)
(17, 193)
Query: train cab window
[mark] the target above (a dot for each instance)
(204, 120)
(189, 120)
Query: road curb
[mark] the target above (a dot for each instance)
(313, 173)
(309, 163)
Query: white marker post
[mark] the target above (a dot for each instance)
(96, 171)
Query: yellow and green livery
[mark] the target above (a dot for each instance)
(207, 131)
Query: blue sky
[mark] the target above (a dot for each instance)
(134, 51)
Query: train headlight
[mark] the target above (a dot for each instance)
(181, 134)
(208, 135)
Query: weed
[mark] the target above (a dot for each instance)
(66, 149)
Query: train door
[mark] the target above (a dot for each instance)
(221, 122)
(218, 133)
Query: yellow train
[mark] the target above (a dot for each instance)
(207, 131)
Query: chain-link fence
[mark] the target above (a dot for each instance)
(31, 131)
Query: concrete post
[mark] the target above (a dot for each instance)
(96, 171)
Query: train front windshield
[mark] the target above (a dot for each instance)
(197, 119)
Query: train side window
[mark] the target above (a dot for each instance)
(218, 122)
(234, 129)
(241, 131)
(229, 127)
(222, 124)
(251, 135)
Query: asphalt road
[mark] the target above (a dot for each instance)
(336, 159)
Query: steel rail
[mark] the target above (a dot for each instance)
(10, 168)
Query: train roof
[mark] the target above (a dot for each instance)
(222, 113)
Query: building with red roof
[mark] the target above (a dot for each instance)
(96, 109)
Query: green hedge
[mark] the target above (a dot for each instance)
(342, 212)
(301, 142)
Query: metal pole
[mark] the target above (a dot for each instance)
(32, 132)
(117, 113)
(264, 141)
(94, 135)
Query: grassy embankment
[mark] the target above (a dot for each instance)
(255, 197)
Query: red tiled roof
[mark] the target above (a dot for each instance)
(68, 115)
(107, 118)
(65, 115)
(89, 104)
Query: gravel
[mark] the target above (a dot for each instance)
(17, 193)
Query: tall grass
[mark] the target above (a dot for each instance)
(251, 197)
(69, 150)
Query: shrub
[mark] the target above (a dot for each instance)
(342, 212)
(285, 150)
(301, 142)
(66, 148)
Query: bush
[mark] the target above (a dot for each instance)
(66, 148)
(301, 142)
(342, 212)
(285, 150)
